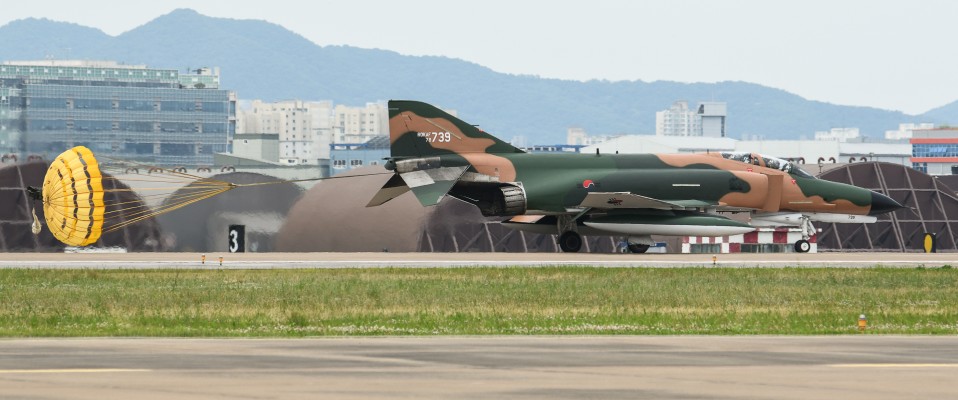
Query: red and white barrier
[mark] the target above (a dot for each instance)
(733, 243)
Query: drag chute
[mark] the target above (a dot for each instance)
(81, 201)
(73, 197)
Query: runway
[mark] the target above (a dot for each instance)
(441, 260)
(689, 367)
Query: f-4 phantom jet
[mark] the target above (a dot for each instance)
(434, 155)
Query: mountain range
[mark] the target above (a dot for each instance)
(262, 60)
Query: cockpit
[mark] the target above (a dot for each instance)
(768, 162)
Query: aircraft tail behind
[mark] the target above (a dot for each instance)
(417, 129)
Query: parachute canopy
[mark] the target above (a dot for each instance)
(73, 197)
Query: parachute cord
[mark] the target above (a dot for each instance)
(163, 210)
(190, 198)
(307, 179)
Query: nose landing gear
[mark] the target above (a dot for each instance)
(803, 246)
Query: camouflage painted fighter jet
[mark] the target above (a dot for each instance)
(435, 154)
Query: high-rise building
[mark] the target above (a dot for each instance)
(708, 119)
(154, 116)
(359, 124)
(678, 120)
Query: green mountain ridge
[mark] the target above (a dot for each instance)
(262, 60)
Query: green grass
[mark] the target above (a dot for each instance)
(476, 301)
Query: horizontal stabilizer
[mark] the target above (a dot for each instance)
(430, 185)
(626, 200)
(393, 188)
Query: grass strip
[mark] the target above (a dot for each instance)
(476, 301)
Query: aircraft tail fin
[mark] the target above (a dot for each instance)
(417, 129)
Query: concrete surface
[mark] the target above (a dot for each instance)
(684, 367)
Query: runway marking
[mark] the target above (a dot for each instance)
(70, 370)
(894, 365)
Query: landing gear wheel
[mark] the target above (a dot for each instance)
(570, 242)
(802, 246)
(638, 248)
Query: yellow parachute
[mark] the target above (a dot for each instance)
(82, 197)
(73, 197)
(81, 201)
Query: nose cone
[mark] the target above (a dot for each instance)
(882, 204)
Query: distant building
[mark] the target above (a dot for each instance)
(359, 124)
(905, 131)
(304, 128)
(346, 156)
(131, 112)
(935, 151)
(838, 134)
(578, 137)
(708, 120)
(711, 116)
(257, 146)
(678, 120)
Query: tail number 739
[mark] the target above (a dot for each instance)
(440, 137)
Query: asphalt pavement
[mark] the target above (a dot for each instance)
(655, 367)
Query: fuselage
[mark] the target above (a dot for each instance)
(554, 183)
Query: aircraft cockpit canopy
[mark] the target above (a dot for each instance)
(768, 162)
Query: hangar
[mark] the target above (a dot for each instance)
(932, 207)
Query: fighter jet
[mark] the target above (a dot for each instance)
(434, 154)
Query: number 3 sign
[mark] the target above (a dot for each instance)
(237, 238)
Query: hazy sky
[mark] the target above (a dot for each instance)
(898, 55)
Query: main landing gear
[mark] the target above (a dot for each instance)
(570, 242)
